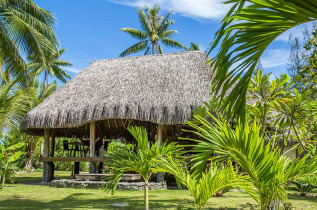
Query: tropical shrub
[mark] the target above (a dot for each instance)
(7, 157)
(140, 159)
(206, 184)
(305, 185)
(268, 170)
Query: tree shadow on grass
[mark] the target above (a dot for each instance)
(78, 201)
(309, 197)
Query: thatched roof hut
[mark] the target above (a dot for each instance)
(160, 89)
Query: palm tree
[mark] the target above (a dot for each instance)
(204, 185)
(49, 65)
(24, 28)
(141, 160)
(194, 47)
(39, 93)
(246, 31)
(155, 30)
(13, 104)
(268, 170)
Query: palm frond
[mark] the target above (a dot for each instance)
(168, 33)
(246, 31)
(140, 35)
(172, 43)
(134, 48)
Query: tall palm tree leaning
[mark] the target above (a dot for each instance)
(49, 65)
(140, 159)
(155, 30)
(246, 31)
(25, 29)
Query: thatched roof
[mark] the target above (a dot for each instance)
(162, 89)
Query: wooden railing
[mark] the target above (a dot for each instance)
(73, 159)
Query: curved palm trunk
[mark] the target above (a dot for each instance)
(146, 195)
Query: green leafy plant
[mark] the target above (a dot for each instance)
(264, 93)
(203, 185)
(155, 30)
(7, 157)
(268, 170)
(13, 104)
(140, 159)
(295, 113)
(305, 185)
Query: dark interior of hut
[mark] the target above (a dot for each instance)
(77, 142)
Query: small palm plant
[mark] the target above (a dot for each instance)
(140, 159)
(268, 170)
(304, 186)
(204, 185)
(155, 31)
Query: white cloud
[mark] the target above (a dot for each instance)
(275, 58)
(207, 9)
(76, 71)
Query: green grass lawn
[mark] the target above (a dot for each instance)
(26, 194)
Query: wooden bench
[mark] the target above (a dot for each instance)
(100, 177)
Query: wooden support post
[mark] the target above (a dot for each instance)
(52, 150)
(46, 142)
(160, 136)
(160, 133)
(92, 168)
(76, 168)
(48, 167)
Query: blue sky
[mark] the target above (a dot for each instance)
(90, 30)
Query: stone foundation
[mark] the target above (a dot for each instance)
(133, 186)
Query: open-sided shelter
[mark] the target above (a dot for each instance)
(158, 92)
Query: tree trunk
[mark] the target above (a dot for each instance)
(29, 161)
(31, 144)
(153, 48)
(42, 152)
(146, 195)
(45, 79)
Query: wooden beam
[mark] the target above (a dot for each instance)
(109, 124)
(46, 142)
(73, 159)
(160, 136)
(92, 139)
